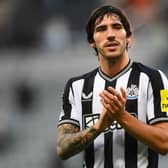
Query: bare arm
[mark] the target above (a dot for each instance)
(71, 141)
(154, 136)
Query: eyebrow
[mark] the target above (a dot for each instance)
(103, 25)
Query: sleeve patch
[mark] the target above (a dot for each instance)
(164, 100)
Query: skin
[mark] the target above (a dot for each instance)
(155, 136)
(71, 141)
(111, 41)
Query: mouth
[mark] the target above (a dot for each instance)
(111, 44)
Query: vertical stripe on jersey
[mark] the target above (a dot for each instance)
(87, 109)
(131, 145)
(157, 85)
(119, 134)
(99, 84)
(66, 104)
(108, 139)
(153, 158)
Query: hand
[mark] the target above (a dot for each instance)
(113, 101)
(105, 121)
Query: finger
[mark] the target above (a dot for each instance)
(111, 90)
(118, 103)
(111, 100)
(105, 105)
(111, 107)
(107, 96)
(115, 93)
(123, 92)
(121, 97)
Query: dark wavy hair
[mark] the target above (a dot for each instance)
(99, 14)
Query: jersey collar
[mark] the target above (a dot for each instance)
(124, 70)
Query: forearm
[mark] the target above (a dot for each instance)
(70, 144)
(154, 137)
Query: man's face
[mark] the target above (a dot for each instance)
(110, 37)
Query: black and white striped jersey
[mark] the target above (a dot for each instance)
(147, 100)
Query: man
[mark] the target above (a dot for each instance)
(117, 113)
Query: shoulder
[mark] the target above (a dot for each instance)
(145, 68)
(148, 70)
(84, 76)
(89, 74)
(156, 76)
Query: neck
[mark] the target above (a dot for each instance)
(112, 66)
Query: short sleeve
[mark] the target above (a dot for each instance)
(157, 103)
(69, 112)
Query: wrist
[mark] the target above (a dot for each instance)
(123, 119)
(97, 128)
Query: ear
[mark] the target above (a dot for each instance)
(129, 41)
(92, 45)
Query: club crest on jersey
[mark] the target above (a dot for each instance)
(132, 92)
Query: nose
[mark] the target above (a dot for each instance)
(110, 33)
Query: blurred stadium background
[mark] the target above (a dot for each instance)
(42, 44)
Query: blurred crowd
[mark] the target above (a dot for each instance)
(24, 23)
(30, 27)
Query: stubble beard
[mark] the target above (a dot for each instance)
(113, 58)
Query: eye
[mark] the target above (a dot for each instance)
(100, 28)
(117, 26)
